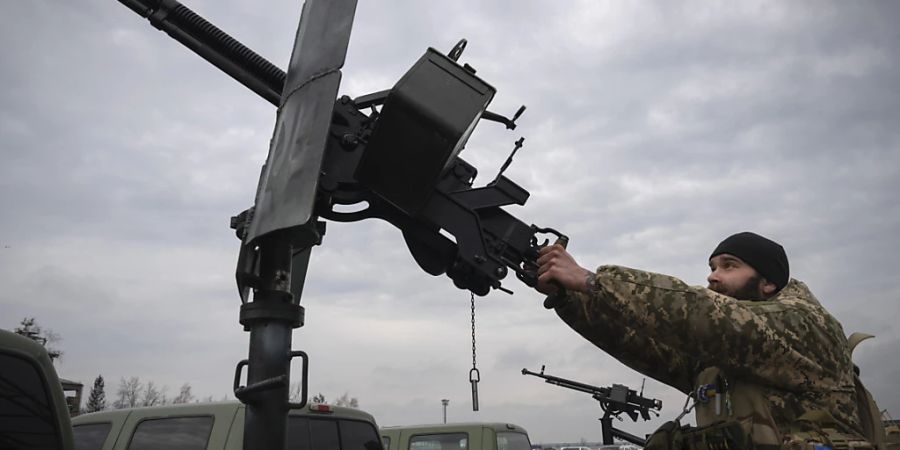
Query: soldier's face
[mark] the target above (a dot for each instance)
(733, 277)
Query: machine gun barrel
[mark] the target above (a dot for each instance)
(570, 384)
(214, 45)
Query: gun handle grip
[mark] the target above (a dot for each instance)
(556, 300)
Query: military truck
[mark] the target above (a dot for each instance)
(220, 426)
(33, 409)
(456, 436)
(892, 434)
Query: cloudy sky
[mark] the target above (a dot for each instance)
(653, 130)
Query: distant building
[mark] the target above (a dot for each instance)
(72, 391)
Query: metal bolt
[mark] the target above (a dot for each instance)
(349, 141)
(282, 280)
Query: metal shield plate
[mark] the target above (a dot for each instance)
(286, 193)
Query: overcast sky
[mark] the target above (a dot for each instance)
(653, 130)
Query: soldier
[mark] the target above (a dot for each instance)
(754, 349)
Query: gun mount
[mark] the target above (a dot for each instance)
(401, 161)
(614, 401)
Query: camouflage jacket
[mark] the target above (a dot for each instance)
(789, 346)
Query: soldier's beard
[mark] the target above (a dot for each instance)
(749, 291)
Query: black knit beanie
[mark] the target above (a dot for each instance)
(764, 255)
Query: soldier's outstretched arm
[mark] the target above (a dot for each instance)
(668, 330)
(591, 316)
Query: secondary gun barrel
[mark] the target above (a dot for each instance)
(617, 394)
(613, 401)
(562, 382)
(214, 45)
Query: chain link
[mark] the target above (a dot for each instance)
(473, 329)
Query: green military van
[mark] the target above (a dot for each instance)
(456, 436)
(220, 426)
(33, 410)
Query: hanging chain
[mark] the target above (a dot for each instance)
(473, 329)
(474, 375)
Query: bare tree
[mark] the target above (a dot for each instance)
(128, 393)
(346, 400)
(152, 395)
(184, 396)
(29, 328)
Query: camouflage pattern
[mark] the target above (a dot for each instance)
(788, 347)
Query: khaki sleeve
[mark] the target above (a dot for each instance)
(665, 329)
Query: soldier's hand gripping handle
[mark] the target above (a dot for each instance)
(557, 299)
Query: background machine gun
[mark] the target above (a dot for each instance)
(614, 401)
(401, 161)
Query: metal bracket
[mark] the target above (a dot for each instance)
(304, 392)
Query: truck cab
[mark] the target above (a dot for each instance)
(456, 436)
(220, 426)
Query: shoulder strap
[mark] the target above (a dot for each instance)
(869, 414)
(856, 338)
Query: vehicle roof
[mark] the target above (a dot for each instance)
(22, 344)
(440, 427)
(25, 348)
(210, 407)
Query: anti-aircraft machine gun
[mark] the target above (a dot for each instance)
(614, 401)
(400, 160)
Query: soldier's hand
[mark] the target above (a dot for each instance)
(555, 264)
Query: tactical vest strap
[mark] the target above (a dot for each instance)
(735, 400)
(666, 437)
(725, 435)
(728, 435)
(819, 429)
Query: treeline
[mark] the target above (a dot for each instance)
(133, 392)
(344, 400)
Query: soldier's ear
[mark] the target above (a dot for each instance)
(767, 288)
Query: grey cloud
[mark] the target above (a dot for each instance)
(653, 131)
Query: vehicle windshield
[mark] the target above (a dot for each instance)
(508, 440)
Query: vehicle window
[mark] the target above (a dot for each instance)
(176, 433)
(26, 406)
(298, 433)
(386, 441)
(316, 434)
(90, 436)
(323, 434)
(358, 435)
(507, 440)
(443, 441)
